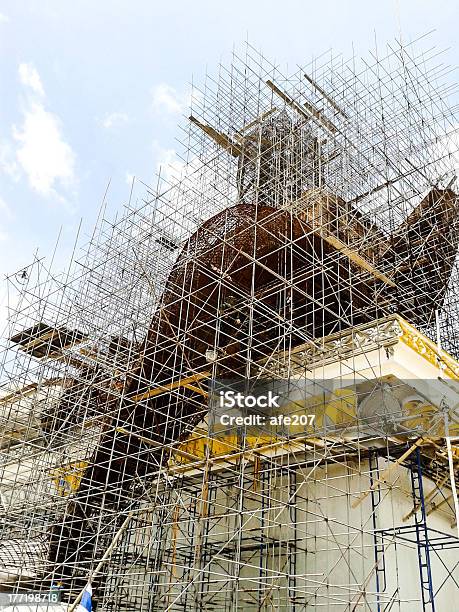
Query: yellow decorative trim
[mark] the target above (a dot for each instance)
(340, 407)
(427, 349)
(67, 478)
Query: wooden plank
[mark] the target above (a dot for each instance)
(240, 133)
(28, 390)
(221, 139)
(355, 257)
(308, 112)
(183, 382)
(434, 506)
(324, 95)
(429, 496)
(383, 477)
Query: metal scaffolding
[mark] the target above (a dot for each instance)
(308, 239)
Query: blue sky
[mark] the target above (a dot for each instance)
(92, 91)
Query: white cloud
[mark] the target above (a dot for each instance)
(114, 120)
(29, 77)
(166, 99)
(42, 153)
(192, 177)
(4, 18)
(168, 163)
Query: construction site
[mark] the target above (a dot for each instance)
(307, 241)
